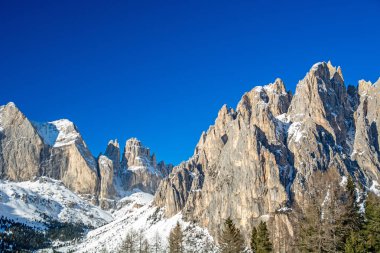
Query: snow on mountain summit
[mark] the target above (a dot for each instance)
(58, 133)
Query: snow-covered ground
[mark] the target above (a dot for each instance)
(34, 202)
(136, 213)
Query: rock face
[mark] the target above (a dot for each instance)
(255, 163)
(139, 168)
(367, 119)
(57, 150)
(69, 159)
(20, 147)
(260, 159)
(53, 149)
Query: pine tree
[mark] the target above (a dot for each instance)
(176, 240)
(260, 242)
(351, 220)
(254, 240)
(263, 242)
(372, 224)
(231, 240)
(355, 243)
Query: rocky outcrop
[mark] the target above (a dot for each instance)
(21, 148)
(113, 153)
(140, 169)
(53, 149)
(56, 150)
(107, 185)
(69, 158)
(261, 159)
(367, 119)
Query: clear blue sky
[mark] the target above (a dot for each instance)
(161, 70)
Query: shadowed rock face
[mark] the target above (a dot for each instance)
(264, 155)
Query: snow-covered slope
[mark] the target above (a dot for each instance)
(57, 133)
(136, 213)
(35, 202)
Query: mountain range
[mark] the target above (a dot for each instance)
(256, 163)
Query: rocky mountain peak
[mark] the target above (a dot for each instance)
(322, 96)
(113, 153)
(367, 87)
(135, 154)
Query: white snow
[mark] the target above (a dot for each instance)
(57, 133)
(284, 209)
(29, 201)
(316, 65)
(283, 118)
(258, 89)
(375, 188)
(1, 116)
(61, 133)
(136, 213)
(294, 132)
(145, 165)
(343, 182)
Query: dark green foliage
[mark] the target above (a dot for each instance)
(355, 243)
(231, 240)
(254, 240)
(351, 220)
(16, 236)
(65, 231)
(371, 229)
(176, 240)
(260, 241)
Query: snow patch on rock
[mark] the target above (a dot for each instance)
(375, 188)
(57, 133)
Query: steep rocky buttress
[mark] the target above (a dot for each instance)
(261, 159)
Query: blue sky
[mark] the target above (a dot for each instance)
(161, 70)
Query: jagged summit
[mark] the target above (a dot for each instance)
(268, 153)
(266, 156)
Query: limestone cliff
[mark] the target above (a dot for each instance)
(259, 160)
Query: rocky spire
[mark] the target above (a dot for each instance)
(322, 96)
(135, 154)
(113, 153)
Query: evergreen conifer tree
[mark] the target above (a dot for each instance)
(351, 220)
(264, 244)
(176, 240)
(372, 224)
(260, 241)
(254, 240)
(231, 240)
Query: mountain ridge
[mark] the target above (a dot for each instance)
(256, 163)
